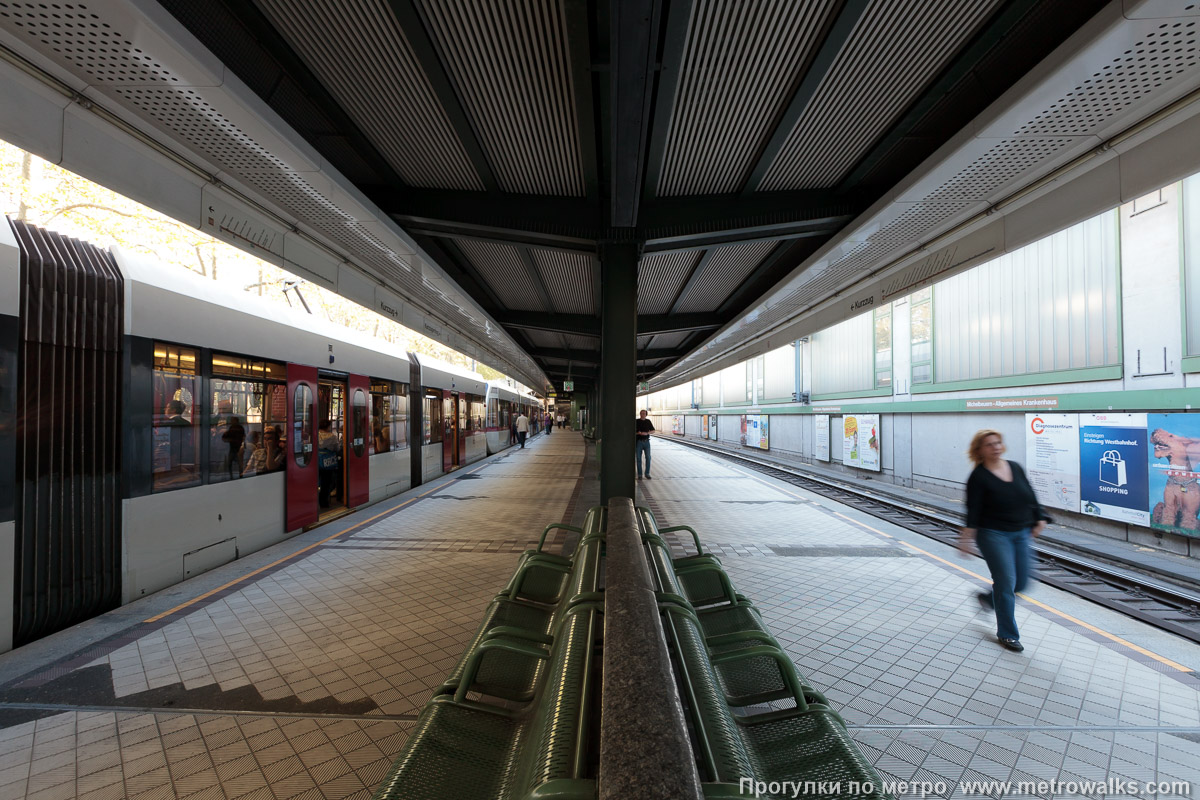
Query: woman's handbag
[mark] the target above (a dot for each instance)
(327, 459)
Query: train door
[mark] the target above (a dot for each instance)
(301, 471)
(331, 444)
(450, 459)
(462, 411)
(358, 481)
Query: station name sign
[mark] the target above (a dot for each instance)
(1014, 402)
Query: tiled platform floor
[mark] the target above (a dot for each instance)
(301, 681)
(885, 623)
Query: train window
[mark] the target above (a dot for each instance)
(243, 414)
(433, 418)
(478, 413)
(176, 423)
(358, 430)
(389, 416)
(302, 425)
(242, 367)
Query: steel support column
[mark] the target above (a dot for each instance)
(618, 365)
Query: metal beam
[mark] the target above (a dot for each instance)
(651, 324)
(835, 40)
(678, 17)
(575, 324)
(573, 372)
(593, 356)
(787, 256)
(579, 51)
(633, 42)
(460, 269)
(618, 379)
(480, 233)
(417, 34)
(808, 229)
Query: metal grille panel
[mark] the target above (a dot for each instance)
(661, 276)
(896, 49)
(68, 504)
(508, 60)
(741, 60)
(568, 278)
(388, 95)
(724, 272)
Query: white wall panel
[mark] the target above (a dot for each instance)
(843, 357)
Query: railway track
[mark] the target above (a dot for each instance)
(1157, 603)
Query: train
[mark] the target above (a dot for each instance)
(161, 426)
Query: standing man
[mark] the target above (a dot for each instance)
(522, 429)
(644, 427)
(549, 423)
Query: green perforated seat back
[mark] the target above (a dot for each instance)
(703, 587)
(754, 679)
(453, 753)
(732, 619)
(729, 756)
(503, 613)
(542, 584)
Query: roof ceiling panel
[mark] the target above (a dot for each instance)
(501, 266)
(582, 343)
(358, 51)
(569, 278)
(661, 277)
(509, 62)
(724, 271)
(740, 63)
(896, 49)
(669, 341)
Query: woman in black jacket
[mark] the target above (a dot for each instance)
(1002, 514)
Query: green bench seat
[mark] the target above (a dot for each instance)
(462, 749)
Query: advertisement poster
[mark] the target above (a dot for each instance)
(677, 425)
(1113, 467)
(821, 445)
(704, 426)
(754, 431)
(712, 427)
(1174, 480)
(860, 441)
(1052, 458)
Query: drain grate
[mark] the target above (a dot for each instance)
(866, 551)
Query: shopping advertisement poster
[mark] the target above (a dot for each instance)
(1052, 458)
(821, 445)
(1113, 467)
(1174, 479)
(677, 425)
(764, 427)
(860, 441)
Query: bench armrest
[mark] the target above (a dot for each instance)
(519, 578)
(471, 670)
(551, 527)
(689, 529)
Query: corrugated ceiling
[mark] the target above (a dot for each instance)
(358, 51)
(508, 60)
(661, 276)
(568, 278)
(724, 271)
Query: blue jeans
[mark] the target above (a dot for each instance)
(1009, 558)
(640, 447)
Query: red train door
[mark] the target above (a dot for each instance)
(461, 426)
(301, 474)
(449, 430)
(358, 439)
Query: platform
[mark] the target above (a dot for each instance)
(297, 672)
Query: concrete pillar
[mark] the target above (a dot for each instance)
(618, 367)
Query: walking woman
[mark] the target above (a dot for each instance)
(1002, 514)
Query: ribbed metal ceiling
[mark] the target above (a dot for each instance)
(501, 266)
(896, 49)
(724, 271)
(568, 278)
(741, 61)
(508, 60)
(661, 276)
(358, 51)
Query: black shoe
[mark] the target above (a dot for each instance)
(985, 601)
(1012, 644)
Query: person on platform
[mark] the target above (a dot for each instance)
(549, 423)
(329, 453)
(1002, 514)
(642, 446)
(522, 429)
